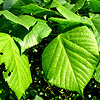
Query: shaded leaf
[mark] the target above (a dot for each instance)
(5, 25)
(15, 3)
(94, 5)
(65, 25)
(38, 11)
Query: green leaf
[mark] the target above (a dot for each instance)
(64, 25)
(62, 2)
(18, 74)
(38, 32)
(79, 4)
(97, 74)
(17, 20)
(94, 5)
(67, 13)
(38, 11)
(69, 60)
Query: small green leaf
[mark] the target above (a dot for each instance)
(18, 74)
(38, 32)
(69, 60)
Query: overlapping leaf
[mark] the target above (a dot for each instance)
(69, 60)
(66, 12)
(38, 32)
(17, 20)
(63, 24)
(18, 74)
(38, 11)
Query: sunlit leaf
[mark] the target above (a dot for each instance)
(69, 60)
(18, 74)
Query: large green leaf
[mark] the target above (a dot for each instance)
(66, 12)
(97, 74)
(17, 20)
(69, 60)
(38, 32)
(18, 74)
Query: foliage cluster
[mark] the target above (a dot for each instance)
(67, 30)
